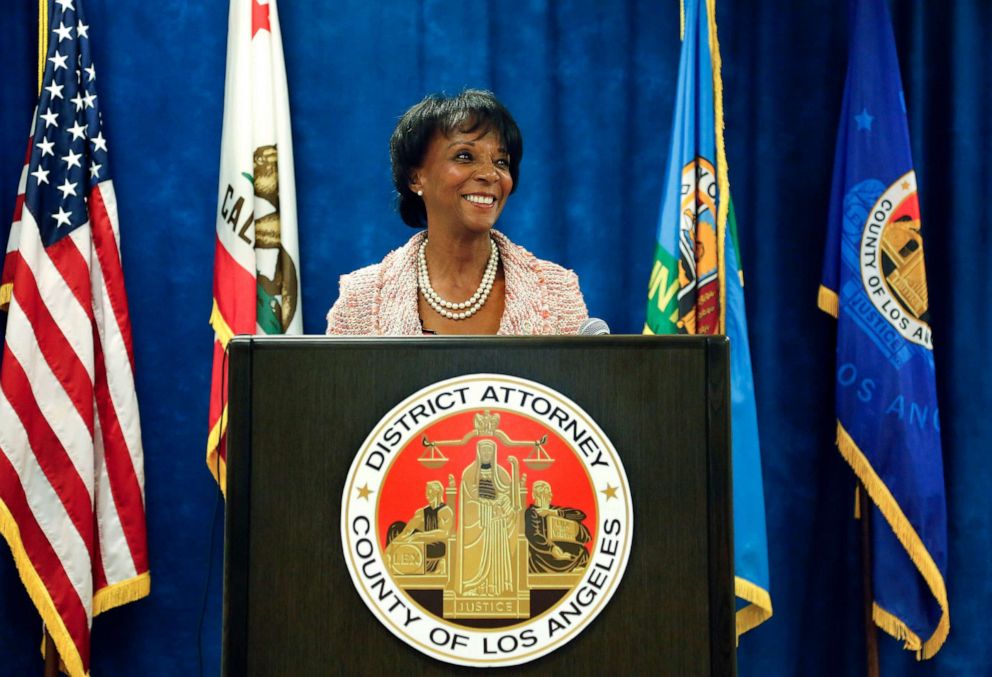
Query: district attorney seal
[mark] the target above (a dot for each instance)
(486, 520)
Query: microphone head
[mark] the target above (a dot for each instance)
(594, 327)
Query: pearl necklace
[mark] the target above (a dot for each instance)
(449, 309)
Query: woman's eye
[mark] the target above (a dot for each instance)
(463, 155)
(503, 162)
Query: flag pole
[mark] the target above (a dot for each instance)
(871, 634)
(51, 656)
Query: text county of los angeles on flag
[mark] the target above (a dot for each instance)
(256, 259)
(696, 284)
(874, 283)
(71, 468)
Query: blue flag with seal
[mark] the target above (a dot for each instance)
(874, 283)
(696, 284)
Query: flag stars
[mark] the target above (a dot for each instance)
(46, 147)
(68, 188)
(864, 120)
(58, 60)
(65, 4)
(95, 169)
(82, 30)
(78, 100)
(99, 143)
(91, 72)
(72, 160)
(50, 118)
(78, 131)
(89, 99)
(62, 217)
(40, 175)
(54, 90)
(64, 32)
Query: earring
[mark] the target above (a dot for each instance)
(420, 193)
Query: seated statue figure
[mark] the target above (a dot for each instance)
(487, 524)
(555, 535)
(430, 525)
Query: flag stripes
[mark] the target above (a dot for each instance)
(71, 462)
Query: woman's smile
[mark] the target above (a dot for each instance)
(481, 200)
(465, 178)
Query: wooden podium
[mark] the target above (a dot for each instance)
(299, 410)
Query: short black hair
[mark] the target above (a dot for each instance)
(471, 110)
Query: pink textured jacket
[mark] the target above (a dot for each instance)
(381, 299)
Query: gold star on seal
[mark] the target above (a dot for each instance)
(610, 491)
(364, 491)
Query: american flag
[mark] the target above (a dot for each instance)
(71, 469)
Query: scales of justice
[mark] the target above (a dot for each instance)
(478, 557)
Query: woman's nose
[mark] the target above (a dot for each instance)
(487, 171)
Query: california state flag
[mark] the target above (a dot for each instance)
(256, 263)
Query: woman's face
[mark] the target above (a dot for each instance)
(466, 181)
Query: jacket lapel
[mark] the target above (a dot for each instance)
(522, 310)
(397, 313)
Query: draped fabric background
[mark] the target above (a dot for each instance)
(591, 85)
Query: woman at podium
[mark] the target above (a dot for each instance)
(456, 161)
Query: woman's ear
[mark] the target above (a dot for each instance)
(415, 184)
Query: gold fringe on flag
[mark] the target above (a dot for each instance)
(911, 542)
(722, 171)
(221, 328)
(215, 463)
(39, 595)
(121, 593)
(827, 301)
(757, 611)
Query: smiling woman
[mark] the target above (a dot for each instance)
(456, 161)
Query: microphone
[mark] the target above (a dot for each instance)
(594, 327)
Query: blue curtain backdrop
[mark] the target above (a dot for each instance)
(591, 85)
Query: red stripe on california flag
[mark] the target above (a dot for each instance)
(108, 254)
(217, 397)
(123, 481)
(217, 378)
(57, 351)
(234, 292)
(75, 271)
(44, 560)
(48, 450)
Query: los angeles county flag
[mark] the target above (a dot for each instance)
(874, 283)
(696, 284)
(256, 262)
